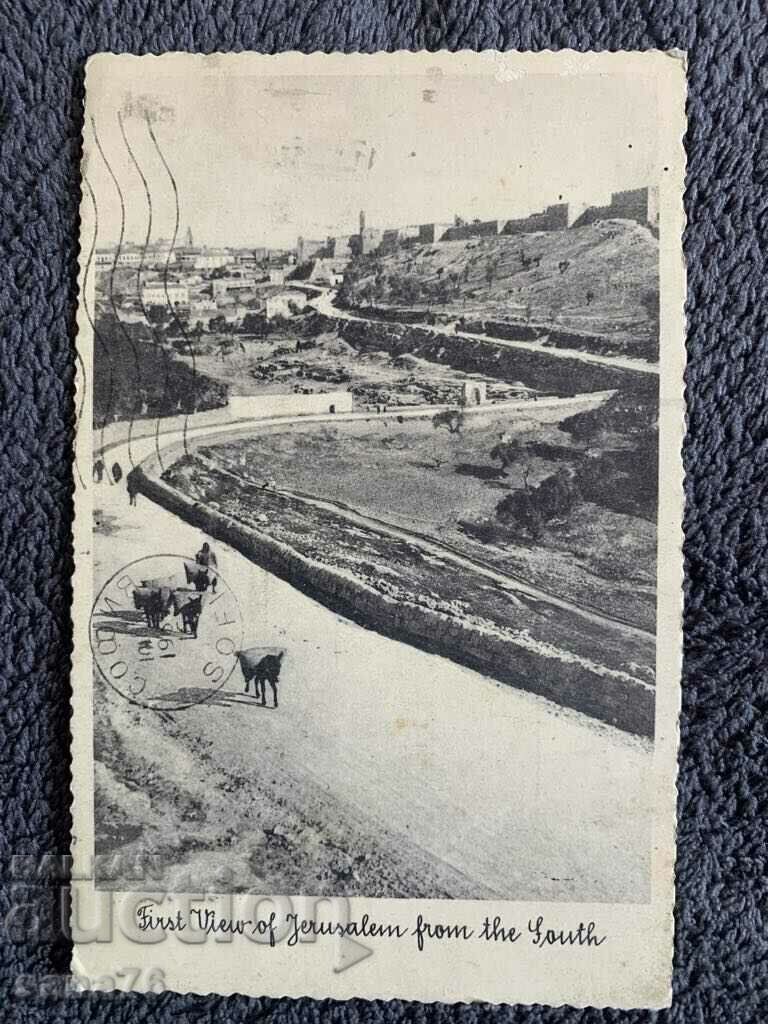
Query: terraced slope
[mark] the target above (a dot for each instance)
(601, 280)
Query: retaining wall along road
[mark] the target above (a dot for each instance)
(561, 375)
(119, 431)
(610, 696)
(253, 406)
(239, 407)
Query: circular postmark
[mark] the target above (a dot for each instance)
(165, 632)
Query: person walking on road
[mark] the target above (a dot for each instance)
(98, 470)
(133, 490)
(207, 557)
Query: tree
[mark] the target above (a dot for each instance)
(158, 316)
(253, 323)
(451, 419)
(649, 300)
(366, 292)
(412, 289)
(530, 508)
(519, 509)
(557, 494)
(490, 271)
(626, 414)
(507, 452)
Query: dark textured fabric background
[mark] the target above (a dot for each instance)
(721, 947)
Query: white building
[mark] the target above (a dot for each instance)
(236, 281)
(213, 259)
(235, 314)
(474, 392)
(277, 275)
(188, 257)
(328, 271)
(203, 309)
(129, 258)
(160, 256)
(282, 304)
(155, 294)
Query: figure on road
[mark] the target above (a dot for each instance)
(207, 558)
(261, 668)
(98, 470)
(132, 488)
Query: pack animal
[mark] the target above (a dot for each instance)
(197, 575)
(189, 608)
(261, 668)
(154, 602)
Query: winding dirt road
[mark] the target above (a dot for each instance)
(476, 787)
(323, 303)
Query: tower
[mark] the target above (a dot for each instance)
(189, 242)
(362, 222)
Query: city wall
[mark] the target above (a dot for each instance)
(640, 204)
(554, 218)
(483, 229)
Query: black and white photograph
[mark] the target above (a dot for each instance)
(382, 549)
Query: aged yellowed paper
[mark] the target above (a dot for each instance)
(378, 527)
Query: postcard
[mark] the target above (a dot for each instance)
(378, 587)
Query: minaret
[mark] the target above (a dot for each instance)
(362, 222)
(190, 243)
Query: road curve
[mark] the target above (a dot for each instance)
(323, 303)
(512, 581)
(522, 798)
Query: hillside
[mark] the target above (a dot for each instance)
(133, 377)
(601, 279)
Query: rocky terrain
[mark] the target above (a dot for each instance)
(600, 280)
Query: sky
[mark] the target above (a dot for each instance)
(259, 160)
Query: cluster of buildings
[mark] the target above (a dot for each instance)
(207, 284)
(640, 205)
(202, 284)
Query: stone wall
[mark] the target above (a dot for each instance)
(638, 204)
(433, 232)
(559, 337)
(612, 697)
(554, 218)
(561, 375)
(262, 406)
(482, 229)
(119, 432)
